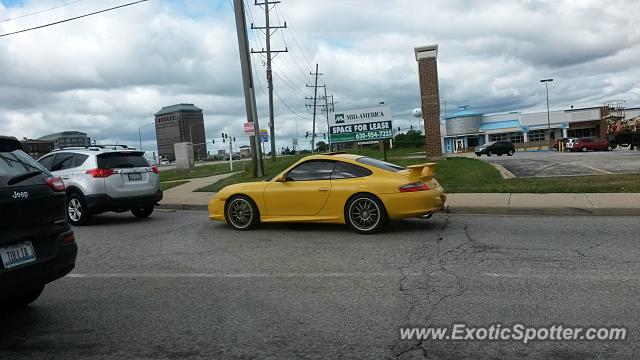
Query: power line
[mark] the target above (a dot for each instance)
(74, 18)
(41, 11)
(288, 106)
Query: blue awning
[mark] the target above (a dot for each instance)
(507, 124)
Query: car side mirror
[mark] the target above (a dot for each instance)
(281, 178)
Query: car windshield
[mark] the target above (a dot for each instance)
(381, 164)
(15, 163)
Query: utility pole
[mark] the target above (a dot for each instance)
(546, 83)
(267, 32)
(315, 105)
(249, 90)
(326, 112)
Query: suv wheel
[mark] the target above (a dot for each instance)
(143, 212)
(241, 213)
(24, 299)
(489, 153)
(510, 152)
(365, 214)
(76, 210)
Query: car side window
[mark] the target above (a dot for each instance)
(344, 170)
(79, 159)
(62, 162)
(311, 170)
(47, 162)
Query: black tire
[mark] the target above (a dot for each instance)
(478, 154)
(489, 153)
(609, 148)
(365, 214)
(77, 211)
(584, 149)
(510, 153)
(499, 154)
(24, 299)
(241, 213)
(143, 212)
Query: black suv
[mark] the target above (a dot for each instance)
(37, 245)
(498, 148)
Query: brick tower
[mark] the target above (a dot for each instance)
(427, 57)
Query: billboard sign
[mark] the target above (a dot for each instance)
(361, 125)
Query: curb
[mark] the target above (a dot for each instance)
(474, 210)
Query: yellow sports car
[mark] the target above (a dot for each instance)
(336, 188)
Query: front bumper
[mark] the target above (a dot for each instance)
(102, 203)
(216, 209)
(58, 262)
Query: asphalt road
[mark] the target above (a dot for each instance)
(177, 286)
(553, 163)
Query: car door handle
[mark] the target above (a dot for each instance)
(66, 177)
(323, 189)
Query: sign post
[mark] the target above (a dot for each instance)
(264, 137)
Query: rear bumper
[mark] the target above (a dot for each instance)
(414, 204)
(101, 203)
(60, 261)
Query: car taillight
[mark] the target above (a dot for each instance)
(69, 239)
(55, 183)
(100, 173)
(416, 186)
(155, 169)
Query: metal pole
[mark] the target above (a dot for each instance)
(546, 83)
(326, 108)
(270, 80)
(247, 79)
(315, 103)
(140, 137)
(231, 154)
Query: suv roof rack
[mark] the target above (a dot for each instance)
(94, 147)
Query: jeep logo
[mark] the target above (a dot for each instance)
(20, 195)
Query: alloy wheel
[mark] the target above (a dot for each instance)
(364, 214)
(75, 210)
(240, 213)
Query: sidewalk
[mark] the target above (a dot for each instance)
(183, 198)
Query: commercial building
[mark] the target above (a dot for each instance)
(465, 129)
(37, 148)
(180, 123)
(67, 139)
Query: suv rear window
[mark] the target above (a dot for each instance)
(17, 162)
(380, 164)
(120, 160)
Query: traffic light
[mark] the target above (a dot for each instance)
(411, 127)
(398, 128)
(307, 135)
(324, 136)
(234, 139)
(213, 141)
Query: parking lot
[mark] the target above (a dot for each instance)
(178, 286)
(553, 163)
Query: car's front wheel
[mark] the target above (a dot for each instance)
(489, 153)
(510, 152)
(143, 212)
(365, 214)
(584, 149)
(241, 213)
(77, 211)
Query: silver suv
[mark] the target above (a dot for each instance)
(105, 178)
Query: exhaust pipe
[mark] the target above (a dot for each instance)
(426, 216)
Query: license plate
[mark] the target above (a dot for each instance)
(17, 254)
(135, 177)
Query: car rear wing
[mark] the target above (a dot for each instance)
(421, 172)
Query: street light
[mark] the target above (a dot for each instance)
(546, 83)
(140, 133)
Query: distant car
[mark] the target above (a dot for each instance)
(568, 141)
(630, 139)
(335, 188)
(498, 148)
(37, 245)
(592, 144)
(105, 178)
(235, 157)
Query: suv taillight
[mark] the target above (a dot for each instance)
(413, 187)
(100, 173)
(155, 169)
(55, 183)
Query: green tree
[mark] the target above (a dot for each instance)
(321, 146)
(412, 138)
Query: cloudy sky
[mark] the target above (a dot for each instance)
(108, 74)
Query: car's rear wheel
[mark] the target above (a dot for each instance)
(584, 149)
(24, 299)
(241, 213)
(143, 212)
(489, 153)
(510, 153)
(365, 214)
(609, 147)
(77, 211)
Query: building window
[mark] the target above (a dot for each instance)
(498, 137)
(578, 133)
(516, 137)
(536, 135)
